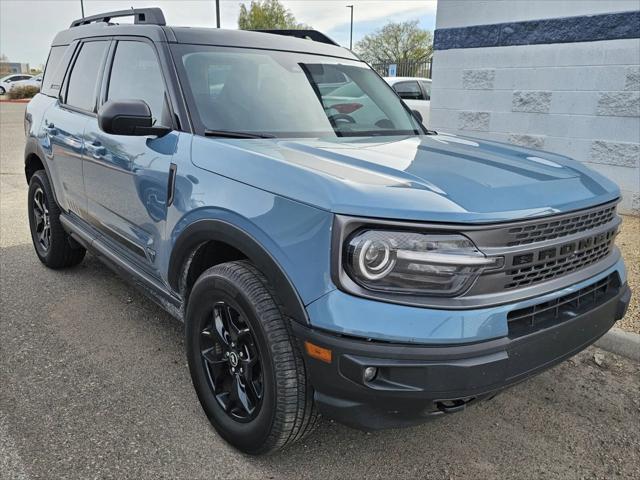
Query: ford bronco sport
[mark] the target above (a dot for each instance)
(326, 252)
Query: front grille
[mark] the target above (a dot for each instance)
(550, 229)
(564, 245)
(540, 316)
(572, 261)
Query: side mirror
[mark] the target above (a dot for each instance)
(417, 114)
(128, 117)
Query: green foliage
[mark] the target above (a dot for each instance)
(396, 42)
(267, 15)
(28, 91)
(4, 69)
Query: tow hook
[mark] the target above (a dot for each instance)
(453, 406)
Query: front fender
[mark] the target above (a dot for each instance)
(277, 252)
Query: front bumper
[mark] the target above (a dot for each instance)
(416, 382)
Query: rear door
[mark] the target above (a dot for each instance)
(64, 123)
(127, 177)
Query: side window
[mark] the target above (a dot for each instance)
(81, 89)
(426, 86)
(136, 75)
(409, 90)
(57, 63)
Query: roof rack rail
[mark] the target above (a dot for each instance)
(147, 16)
(306, 34)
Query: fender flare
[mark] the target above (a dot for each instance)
(33, 147)
(205, 230)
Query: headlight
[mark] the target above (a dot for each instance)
(414, 263)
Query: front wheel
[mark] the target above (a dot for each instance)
(245, 364)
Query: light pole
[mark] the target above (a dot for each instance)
(351, 31)
(217, 13)
(82, 7)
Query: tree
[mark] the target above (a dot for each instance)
(267, 15)
(396, 42)
(4, 69)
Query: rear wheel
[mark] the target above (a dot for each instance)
(53, 245)
(245, 364)
(2, 91)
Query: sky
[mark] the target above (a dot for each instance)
(27, 27)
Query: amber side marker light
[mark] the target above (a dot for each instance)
(319, 353)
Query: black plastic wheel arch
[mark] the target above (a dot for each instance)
(206, 230)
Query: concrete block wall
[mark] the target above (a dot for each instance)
(580, 99)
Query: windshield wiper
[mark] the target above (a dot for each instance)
(231, 134)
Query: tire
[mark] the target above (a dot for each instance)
(285, 412)
(2, 91)
(52, 244)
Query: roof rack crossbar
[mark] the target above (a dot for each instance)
(314, 35)
(147, 16)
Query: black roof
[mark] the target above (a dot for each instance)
(203, 36)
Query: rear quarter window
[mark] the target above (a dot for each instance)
(57, 63)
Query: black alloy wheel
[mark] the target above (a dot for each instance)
(42, 220)
(232, 362)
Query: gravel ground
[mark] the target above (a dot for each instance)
(94, 384)
(629, 242)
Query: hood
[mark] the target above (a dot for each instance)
(429, 178)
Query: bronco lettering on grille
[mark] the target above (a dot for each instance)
(568, 249)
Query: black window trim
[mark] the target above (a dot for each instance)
(62, 96)
(176, 120)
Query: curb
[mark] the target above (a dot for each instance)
(622, 343)
(18, 100)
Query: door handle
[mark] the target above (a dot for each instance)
(51, 129)
(96, 149)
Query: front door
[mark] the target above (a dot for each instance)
(126, 177)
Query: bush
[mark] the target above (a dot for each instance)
(23, 92)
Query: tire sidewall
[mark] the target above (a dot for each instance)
(249, 436)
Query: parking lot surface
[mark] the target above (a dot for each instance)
(94, 384)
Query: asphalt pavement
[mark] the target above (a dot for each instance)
(94, 384)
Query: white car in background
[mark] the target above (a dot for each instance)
(7, 82)
(29, 82)
(416, 93)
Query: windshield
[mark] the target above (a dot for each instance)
(286, 94)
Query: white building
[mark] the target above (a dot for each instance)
(562, 76)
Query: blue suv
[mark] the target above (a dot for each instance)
(327, 253)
